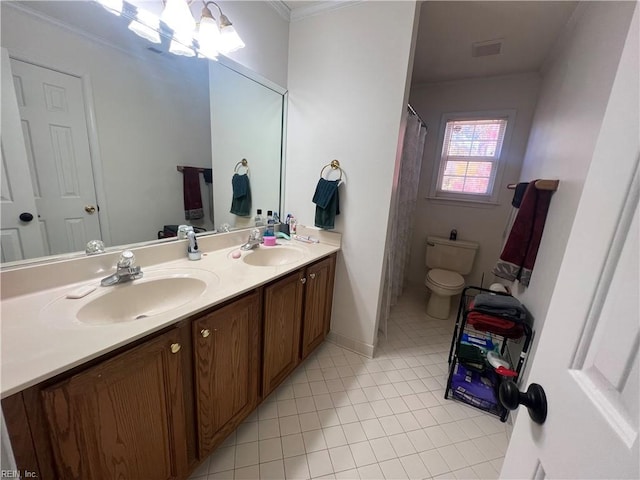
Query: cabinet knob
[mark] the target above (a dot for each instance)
(312, 275)
(303, 280)
(175, 347)
(205, 332)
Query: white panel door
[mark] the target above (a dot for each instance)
(55, 130)
(18, 239)
(587, 359)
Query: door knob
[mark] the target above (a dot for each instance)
(303, 280)
(175, 347)
(26, 217)
(205, 332)
(90, 209)
(312, 275)
(534, 399)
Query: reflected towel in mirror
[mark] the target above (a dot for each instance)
(192, 197)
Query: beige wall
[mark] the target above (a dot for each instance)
(573, 97)
(481, 223)
(347, 94)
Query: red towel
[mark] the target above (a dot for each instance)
(519, 254)
(496, 325)
(192, 197)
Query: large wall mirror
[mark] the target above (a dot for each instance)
(98, 155)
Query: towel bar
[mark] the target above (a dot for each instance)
(540, 185)
(335, 165)
(242, 163)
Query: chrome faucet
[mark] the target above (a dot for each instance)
(253, 241)
(125, 270)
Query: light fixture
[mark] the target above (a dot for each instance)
(208, 34)
(226, 41)
(177, 16)
(178, 25)
(146, 25)
(182, 45)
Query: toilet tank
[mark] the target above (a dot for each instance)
(455, 255)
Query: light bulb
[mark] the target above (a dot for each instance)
(208, 37)
(230, 41)
(178, 17)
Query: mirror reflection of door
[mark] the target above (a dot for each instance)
(18, 239)
(52, 112)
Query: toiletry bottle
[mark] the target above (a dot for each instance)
(259, 220)
(270, 231)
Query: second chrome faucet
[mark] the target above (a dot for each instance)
(125, 270)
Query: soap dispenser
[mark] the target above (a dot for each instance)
(192, 250)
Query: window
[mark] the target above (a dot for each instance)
(470, 156)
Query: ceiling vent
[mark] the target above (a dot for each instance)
(484, 49)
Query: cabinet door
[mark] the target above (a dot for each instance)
(123, 418)
(282, 318)
(227, 369)
(317, 304)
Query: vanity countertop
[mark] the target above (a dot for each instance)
(41, 336)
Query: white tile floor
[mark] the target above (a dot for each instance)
(343, 416)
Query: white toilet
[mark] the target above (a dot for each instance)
(447, 261)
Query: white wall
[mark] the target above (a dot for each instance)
(573, 97)
(480, 223)
(149, 119)
(347, 96)
(265, 34)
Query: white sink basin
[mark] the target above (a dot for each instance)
(124, 303)
(272, 256)
(156, 293)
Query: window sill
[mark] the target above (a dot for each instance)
(462, 202)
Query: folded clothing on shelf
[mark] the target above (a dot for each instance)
(493, 324)
(502, 305)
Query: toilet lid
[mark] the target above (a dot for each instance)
(445, 278)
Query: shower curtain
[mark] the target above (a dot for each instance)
(403, 206)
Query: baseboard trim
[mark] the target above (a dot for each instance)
(354, 345)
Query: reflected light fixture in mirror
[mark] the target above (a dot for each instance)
(212, 37)
(146, 25)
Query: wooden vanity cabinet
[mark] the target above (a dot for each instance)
(297, 314)
(318, 299)
(123, 418)
(157, 408)
(226, 345)
(282, 322)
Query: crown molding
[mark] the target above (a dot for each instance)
(281, 8)
(317, 8)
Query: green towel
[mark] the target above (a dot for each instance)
(327, 203)
(241, 198)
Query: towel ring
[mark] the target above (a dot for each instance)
(334, 165)
(242, 163)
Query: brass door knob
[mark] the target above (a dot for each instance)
(90, 209)
(205, 332)
(312, 275)
(175, 347)
(303, 280)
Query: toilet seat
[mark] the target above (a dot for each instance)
(445, 279)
